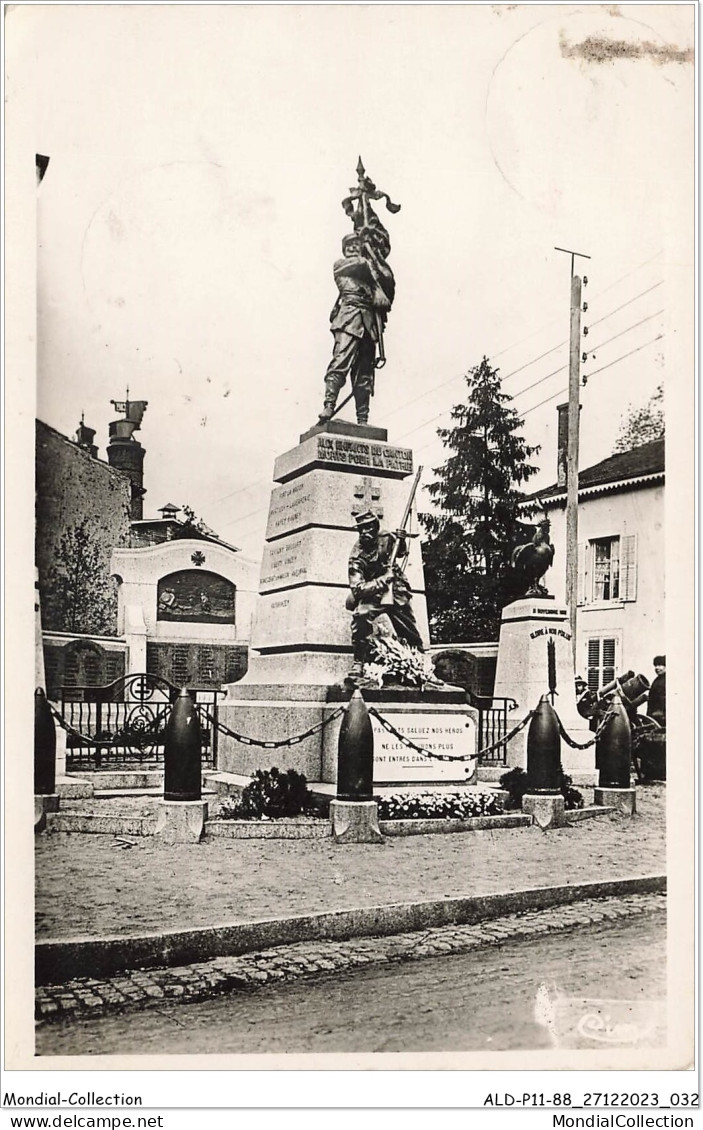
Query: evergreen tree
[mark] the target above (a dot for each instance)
(78, 593)
(475, 527)
(642, 425)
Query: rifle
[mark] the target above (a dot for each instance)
(387, 597)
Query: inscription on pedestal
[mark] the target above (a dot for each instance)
(361, 453)
(283, 563)
(288, 508)
(449, 734)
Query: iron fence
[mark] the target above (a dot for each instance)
(124, 722)
(492, 726)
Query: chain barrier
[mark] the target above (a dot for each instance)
(284, 742)
(119, 737)
(592, 741)
(448, 756)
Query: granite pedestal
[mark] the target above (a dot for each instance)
(301, 635)
(522, 674)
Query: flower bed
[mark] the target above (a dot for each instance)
(438, 806)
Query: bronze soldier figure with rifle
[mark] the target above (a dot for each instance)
(366, 290)
(380, 599)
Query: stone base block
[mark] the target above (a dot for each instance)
(547, 811)
(181, 821)
(625, 800)
(271, 713)
(355, 822)
(49, 802)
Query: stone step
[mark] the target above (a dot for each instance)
(121, 778)
(116, 794)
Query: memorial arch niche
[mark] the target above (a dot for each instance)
(196, 596)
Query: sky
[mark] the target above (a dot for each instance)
(191, 213)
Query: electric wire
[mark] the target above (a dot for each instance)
(514, 372)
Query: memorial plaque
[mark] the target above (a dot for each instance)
(449, 734)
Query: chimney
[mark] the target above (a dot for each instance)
(85, 437)
(125, 453)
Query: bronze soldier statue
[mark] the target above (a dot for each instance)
(380, 598)
(356, 321)
(366, 290)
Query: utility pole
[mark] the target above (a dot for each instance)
(572, 457)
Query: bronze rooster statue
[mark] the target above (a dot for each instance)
(529, 562)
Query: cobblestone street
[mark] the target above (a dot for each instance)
(140, 988)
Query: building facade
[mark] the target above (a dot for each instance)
(621, 581)
(120, 594)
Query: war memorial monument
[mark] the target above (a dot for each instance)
(341, 596)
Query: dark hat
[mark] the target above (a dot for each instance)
(659, 661)
(366, 518)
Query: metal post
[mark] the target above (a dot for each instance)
(614, 748)
(543, 801)
(355, 752)
(354, 812)
(613, 760)
(44, 746)
(182, 813)
(544, 750)
(182, 751)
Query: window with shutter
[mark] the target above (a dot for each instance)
(582, 574)
(629, 567)
(593, 665)
(608, 667)
(606, 569)
(601, 656)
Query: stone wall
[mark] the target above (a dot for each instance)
(82, 513)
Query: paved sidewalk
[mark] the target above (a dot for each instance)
(88, 996)
(96, 886)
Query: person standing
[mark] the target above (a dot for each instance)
(656, 702)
